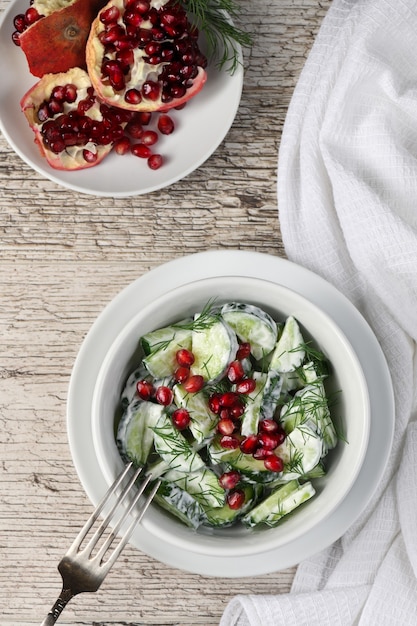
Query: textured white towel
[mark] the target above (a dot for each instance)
(347, 197)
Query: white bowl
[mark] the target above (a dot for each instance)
(351, 413)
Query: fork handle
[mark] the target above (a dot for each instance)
(62, 601)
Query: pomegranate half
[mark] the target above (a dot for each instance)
(143, 55)
(53, 34)
(73, 129)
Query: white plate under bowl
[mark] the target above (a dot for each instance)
(351, 411)
(119, 313)
(200, 128)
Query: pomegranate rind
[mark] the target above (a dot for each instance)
(57, 42)
(95, 52)
(33, 99)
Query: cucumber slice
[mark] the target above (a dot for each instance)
(202, 484)
(289, 352)
(271, 394)
(253, 325)
(301, 451)
(255, 399)
(173, 447)
(135, 431)
(203, 421)
(253, 469)
(281, 502)
(310, 406)
(161, 346)
(225, 516)
(214, 348)
(180, 504)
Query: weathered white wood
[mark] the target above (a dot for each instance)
(63, 256)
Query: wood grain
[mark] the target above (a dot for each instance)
(63, 257)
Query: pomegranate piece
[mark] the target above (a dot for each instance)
(181, 418)
(184, 357)
(164, 395)
(194, 383)
(249, 444)
(246, 386)
(144, 389)
(54, 37)
(229, 480)
(236, 499)
(144, 56)
(274, 463)
(181, 373)
(226, 426)
(243, 351)
(165, 125)
(72, 130)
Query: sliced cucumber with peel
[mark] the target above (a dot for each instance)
(135, 436)
(203, 421)
(279, 503)
(289, 351)
(214, 348)
(252, 324)
(161, 347)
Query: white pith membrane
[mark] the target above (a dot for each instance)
(46, 7)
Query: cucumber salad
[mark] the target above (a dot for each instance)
(229, 409)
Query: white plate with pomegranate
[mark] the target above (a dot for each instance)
(199, 128)
(142, 292)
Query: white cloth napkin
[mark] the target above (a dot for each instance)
(347, 197)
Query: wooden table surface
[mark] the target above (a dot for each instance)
(64, 256)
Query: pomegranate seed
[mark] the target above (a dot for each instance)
(274, 463)
(142, 6)
(144, 389)
(70, 93)
(16, 38)
(165, 124)
(270, 441)
(132, 18)
(243, 351)
(246, 386)
(249, 444)
(235, 372)
(268, 426)
(184, 357)
(181, 418)
(224, 413)
(164, 395)
(19, 22)
(261, 454)
(122, 145)
(132, 96)
(150, 90)
(32, 16)
(140, 150)
(89, 156)
(181, 374)
(235, 499)
(214, 403)
(58, 93)
(229, 441)
(194, 383)
(144, 117)
(237, 410)
(134, 129)
(226, 426)
(229, 480)
(110, 15)
(149, 137)
(228, 398)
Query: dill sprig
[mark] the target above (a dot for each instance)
(205, 320)
(212, 17)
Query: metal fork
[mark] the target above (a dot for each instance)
(80, 569)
